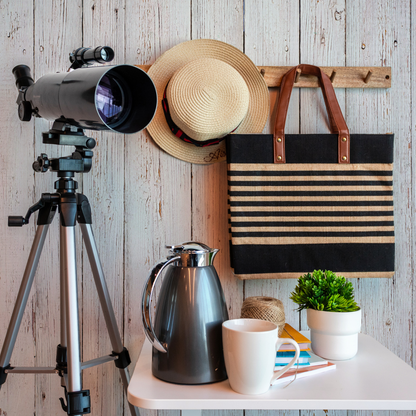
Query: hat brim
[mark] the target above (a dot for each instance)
(172, 60)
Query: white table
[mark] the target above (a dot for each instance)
(375, 379)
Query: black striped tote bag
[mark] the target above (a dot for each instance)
(300, 202)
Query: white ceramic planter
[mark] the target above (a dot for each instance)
(334, 335)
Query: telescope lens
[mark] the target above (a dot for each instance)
(104, 54)
(110, 100)
(121, 98)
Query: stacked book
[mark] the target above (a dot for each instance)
(308, 363)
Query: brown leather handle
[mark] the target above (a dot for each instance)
(336, 119)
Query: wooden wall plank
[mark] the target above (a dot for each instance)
(157, 185)
(221, 21)
(413, 179)
(103, 24)
(209, 182)
(17, 194)
(322, 44)
(323, 26)
(381, 35)
(272, 38)
(57, 32)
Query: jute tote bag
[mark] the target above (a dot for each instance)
(300, 202)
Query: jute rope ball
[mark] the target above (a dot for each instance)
(265, 308)
(207, 99)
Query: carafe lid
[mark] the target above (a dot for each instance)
(194, 254)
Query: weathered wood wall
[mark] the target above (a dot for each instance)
(143, 198)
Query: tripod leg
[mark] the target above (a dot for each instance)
(71, 308)
(78, 401)
(61, 351)
(107, 308)
(62, 294)
(22, 298)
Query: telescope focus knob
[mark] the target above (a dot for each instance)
(25, 111)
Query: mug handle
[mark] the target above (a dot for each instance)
(279, 342)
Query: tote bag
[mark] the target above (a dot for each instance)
(300, 202)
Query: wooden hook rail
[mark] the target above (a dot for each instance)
(340, 76)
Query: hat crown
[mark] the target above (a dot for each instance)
(207, 98)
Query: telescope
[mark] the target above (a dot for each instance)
(121, 98)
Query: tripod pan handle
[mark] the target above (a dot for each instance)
(15, 221)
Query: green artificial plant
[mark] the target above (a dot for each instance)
(324, 291)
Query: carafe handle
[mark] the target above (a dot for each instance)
(147, 298)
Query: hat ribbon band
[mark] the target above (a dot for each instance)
(180, 134)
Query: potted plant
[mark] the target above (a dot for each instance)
(333, 316)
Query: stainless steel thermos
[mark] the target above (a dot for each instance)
(186, 335)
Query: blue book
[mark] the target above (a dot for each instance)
(290, 354)
(278, 366)
(313, 360)
(284, 357)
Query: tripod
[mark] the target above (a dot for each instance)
(73, 208)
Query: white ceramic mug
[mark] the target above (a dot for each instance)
(250, 347)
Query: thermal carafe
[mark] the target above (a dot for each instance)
(190, 309)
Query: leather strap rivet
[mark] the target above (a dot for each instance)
(344, 157)
(279, 139)
(344, 139)
(279, 157)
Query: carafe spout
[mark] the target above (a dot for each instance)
(213, 254)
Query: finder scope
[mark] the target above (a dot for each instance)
(86, 56)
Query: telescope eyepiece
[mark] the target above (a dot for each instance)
(22, 76)
(87, 56)
(23, 81)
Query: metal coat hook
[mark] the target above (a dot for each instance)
(332, 77)
(368, 76)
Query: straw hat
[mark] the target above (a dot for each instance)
(209, 89)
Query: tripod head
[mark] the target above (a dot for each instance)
(80, 161)
(63, 134)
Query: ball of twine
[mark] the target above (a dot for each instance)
(265, 308)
